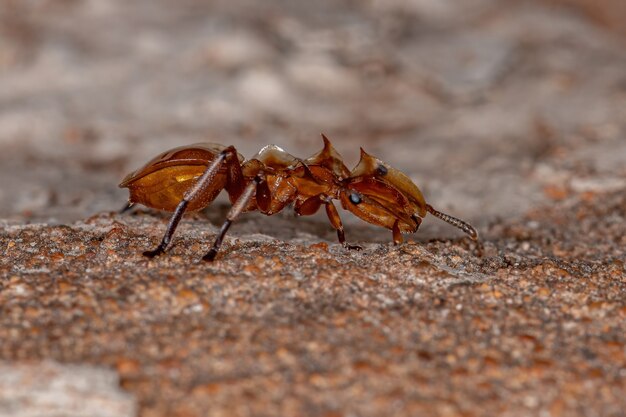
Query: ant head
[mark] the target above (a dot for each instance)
(330, 159)
(379, 203)
(372, 167)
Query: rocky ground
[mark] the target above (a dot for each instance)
(509, 114)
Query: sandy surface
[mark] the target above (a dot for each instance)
(511, 115)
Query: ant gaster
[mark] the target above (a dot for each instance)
(189, 178)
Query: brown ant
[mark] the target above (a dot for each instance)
(189, 178)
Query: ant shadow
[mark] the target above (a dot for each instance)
(286, 225)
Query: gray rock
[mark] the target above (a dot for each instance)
(52, 389)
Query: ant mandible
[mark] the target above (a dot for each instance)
(189, 178)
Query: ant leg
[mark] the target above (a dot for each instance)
(308, 206)
(342, 239)
(312, 204)
(418, 221)
(397, 235)
(169, 232)
(203, 182)
(335, 221)
(237, 208)
(127, 207)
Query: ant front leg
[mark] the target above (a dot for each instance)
(203, 183)
(256, 186)
(397, 234)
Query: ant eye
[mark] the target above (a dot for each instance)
(355, 198)
(381, 170)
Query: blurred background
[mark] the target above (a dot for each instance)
(491, 106)
(495, 108)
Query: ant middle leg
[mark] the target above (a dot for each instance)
(255, 187)
(201, 186)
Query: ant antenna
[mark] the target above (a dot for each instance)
(464, 226)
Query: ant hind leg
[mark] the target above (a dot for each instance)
(201, 185)
(169, 232)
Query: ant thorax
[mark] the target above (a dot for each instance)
(273, 156)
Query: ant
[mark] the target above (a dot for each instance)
(189, 178)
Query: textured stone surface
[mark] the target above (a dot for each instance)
(508, 114)
(51, 389)
(302, 327)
